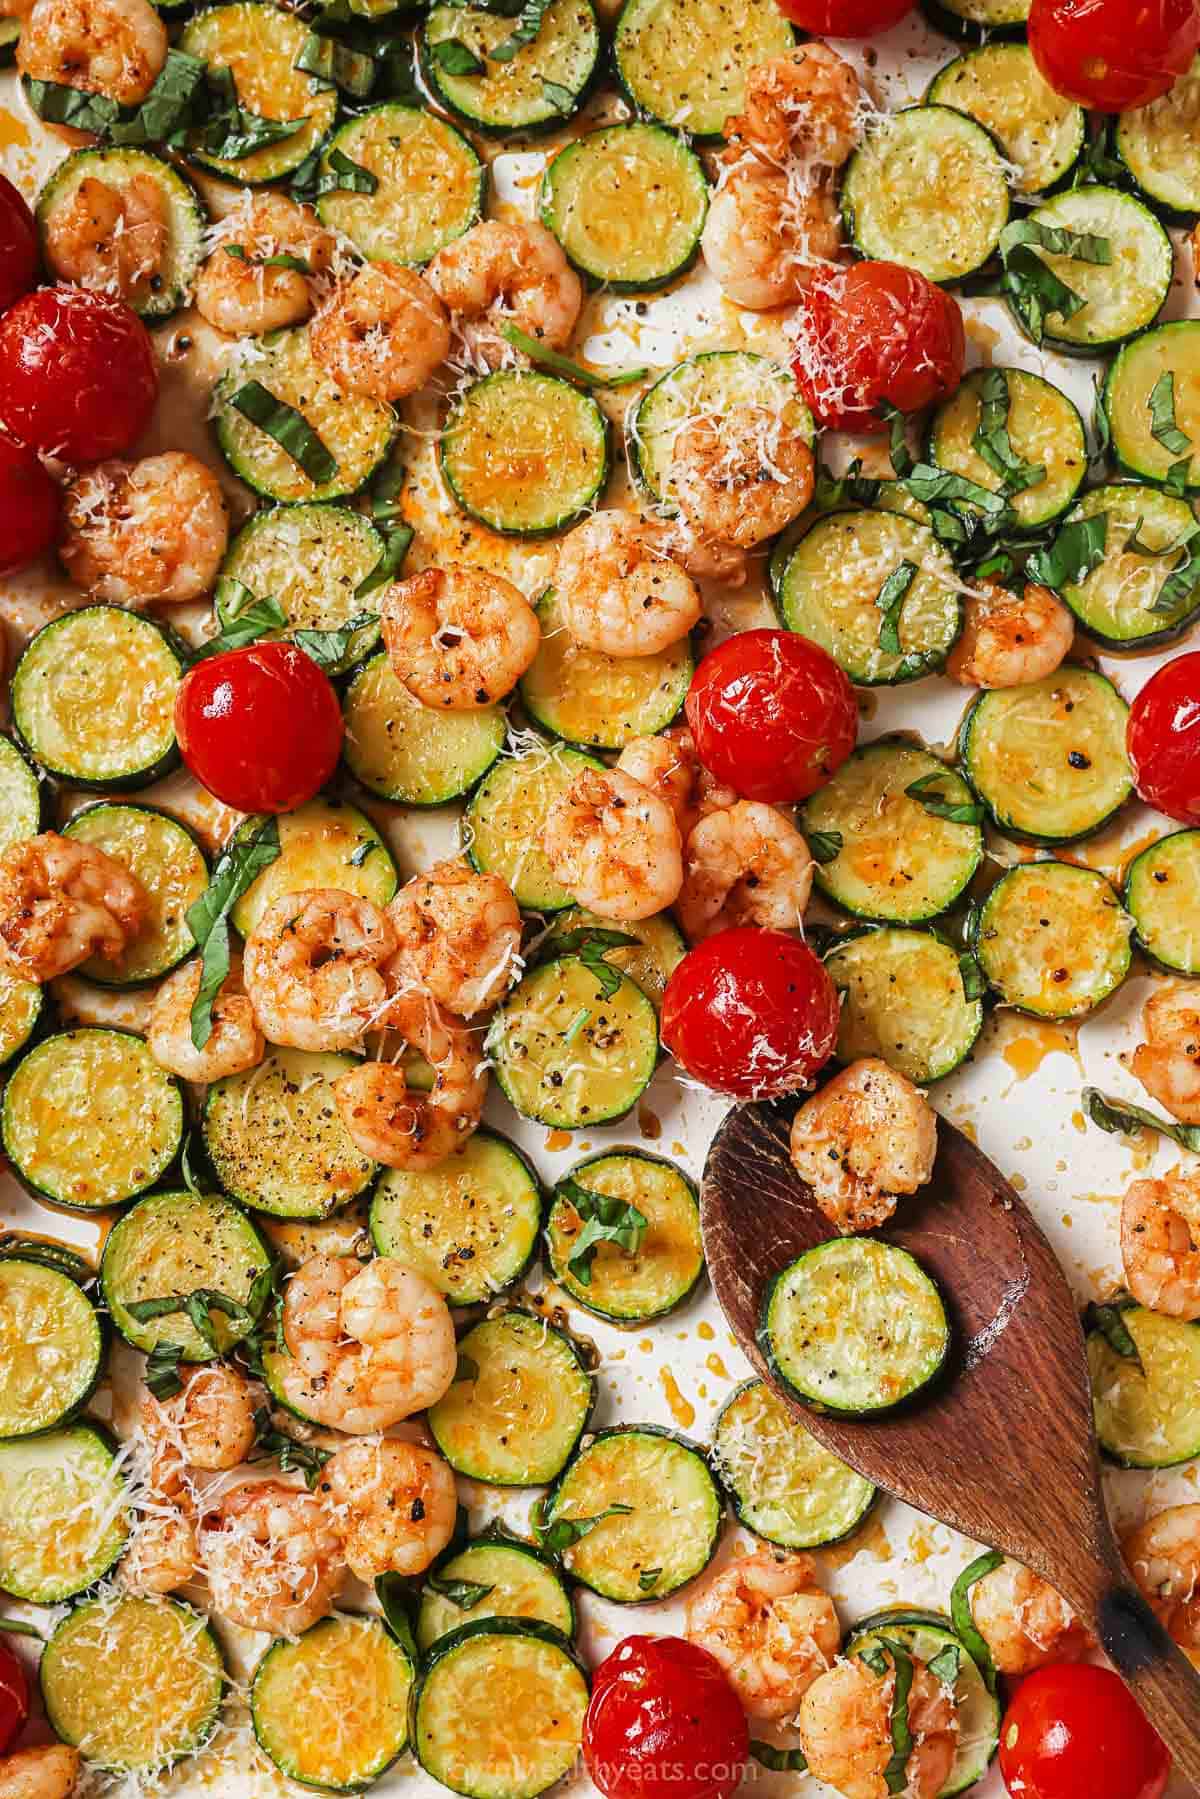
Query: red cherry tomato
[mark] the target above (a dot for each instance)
(1162, 739)
(78, 378)
(30, 504)
(751, 1012)
(772, 715)
(845, 18)
(1113, 54)
(14, 1698)
(664, 1719)
(18, 246)
(875, 332)
(1074, 1731)
(260, 727)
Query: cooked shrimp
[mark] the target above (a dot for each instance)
(1009, 639)
(767, 234)
(704, 557)
(668, 766)
(806, 104)
(614, 845)
(1160, 1243)
(312, 969)
(109, 238)
(398, 1126)
(370, 1345)
(458, 638)
(745, 864)
(382, 333)
(845, 1726)
(48, 1772)
(865, 1138)
(459, 934)
(238, 291)
(112, 47)
(272, 1557)
(499, 273)
(1024, 1622)
(395, 1503)
(235, 1042)
(140, 532)
(742, 477)
(618, 592)
(163, 1554)
(209, 1423)
(62, 901)
(1168, 1062)
(1164, 1554)
(770, 1626)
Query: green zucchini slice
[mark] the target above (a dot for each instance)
(89, 1119)
(170, 1245)
(1162, 896)
(520, 1402)
(533, 90)
(325, 843)
(1168, 351)
(663, 1506)
(1044, 429)
(260, 46)
(1158, 145)
(649, 961)
(601, 701)
(1053, 939)
(21, 802)
(627, 204)
(430, 184)
(504, 820)
(93, 698)
(312, 559)
(64, 1514)
(977, 1709)
(903, 998)
(854, 1325)
(10, 31)
(413, 754)
(171, 866)
(21, 1004)
(185, 218)
(51, 1347)
(524, 453)
(1001, 88)
(135, 1684)
(685, 62)
(784, 1485)
(1134, 599)
(1120, 297)
(470, 1226)
(893, 860)
(568, 1054)
(978, 19)
(1048, 759)
(1148, 1411)
(627, 1286)
(330, 1707)
(496, 1576)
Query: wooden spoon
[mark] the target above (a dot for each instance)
(1004, 1447)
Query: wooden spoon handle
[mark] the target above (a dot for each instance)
(1166, 1685)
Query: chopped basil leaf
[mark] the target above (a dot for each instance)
(456, 58)
(824, 846)
(1184, 578)
(992, 442)
(465, 1369)
(1076, 551)
(395, 549)
(901, 455)
(1119, 1117)
(161, 1373)
(1101, 429)
(328, 649)
(276, 1445)
(562, 365)
(330, 172)
(956, 812)
(648, 1579)
(282, 261)
(397, 1596)
(197, 1306)
(238, 867)
(465, 1594)
(289, 428)
(230, 130)
(528, 24)
(1108, 1321)
(1033, 287)
(929, 484)
(1163, 428)
(605, 1220)
(974, 982)
(945, 1664)
(964, 1623)
(338, 64)
(781, 1761)
(896, 1772)
(565, 1532)
(243, 618)
(890, 600)
(162, 116)
(852, 488)
(562, 99)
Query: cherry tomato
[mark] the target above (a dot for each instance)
(30, 504)
(78, 378)
(876, 332)
(751, 1012)
(1162, 739)
(1113, 54)
(664, 1719)
(260, 727)
(18, 246)
(845, 18)
(14, 1698)
(1075, 1730)
(772, 715)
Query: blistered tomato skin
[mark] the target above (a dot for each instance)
(1163, 739)
(30, 504)
(14, 1698)
(663, 1719)
(78, 379)
(845, 18)
(751, 1013)
(1074, 1731)
(18, 246)
(260, 727)
(772, 715)
(1114, 55)
(876, 335)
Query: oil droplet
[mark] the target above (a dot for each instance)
(682, 1410)
(14, 133)
(678, 1148)
(1080, 1122)
(1026, 1052)
(646, 1345)
(871, 1539)
(558, 1140)
(1018, 1181)
(1067, 1220)
(705, 1331)
(649, 1124)
(920, 1547)
(716, 1366)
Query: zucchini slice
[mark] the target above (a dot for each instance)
(260, 46)
(929, 190)
(276, 1140)
(535, 90)
(1121, 297)
(64, 1513)
(569, 1055)
(504, 819)
(89, 1119)
(21, 802)
(1158, 145)
(978, 19)
(977, 1709)
(601, 701)
(628, 1287)
(183, 214)
(51, 1347)
(1162, 895)
(893, 861)
(627, 204)
(1048, 759)
(167, 859)
(1131, 600)
(833, 584)
(413, 754)
(1001, 88)
(93, 698)
(169, 1245)
(312, 559)
(358, 433)
(1044, 428)
(854, 1325)
(430, 184)
(498, 1712)
(784, 1485)
(1169, 350)
(512, 1578)
(525, 453)
(1053, 939)
(1148, 1415)
(135, 1684)
(649, 961)
(903, 998)
(10, 31)
(470, 1227)
(325, 843)
(685, 62)
(20, 1011)
(664, 1506)
(330, 1707)
(520, 1402)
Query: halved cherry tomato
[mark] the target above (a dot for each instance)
(876, 332)
(1113, 54)
(14, 1698)
(664, 1720)
(30, 503)
(260, 727)
(845, 18)
(1162, 739)
(18, 246)
(772, 715)
(1074, 1731)
(751, 1012)
(78, 378)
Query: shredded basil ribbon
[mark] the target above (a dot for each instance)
(605, 1220)
(547, 358)
(964, 1623)
(890, 601)
(1031, 284)
(289, 428)
(292, 1455)
(927, 794)
(353, 71)
(591, 944)
(238, 867)
(1119, 1117)
(160, 118)
(465, 1594)
(1078, 549)
(565, 1532)
(456, 58)
(1107, 1319)
(824, 846)
(992, 441)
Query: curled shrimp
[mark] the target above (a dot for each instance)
(498, 273)
(845, 1726)
(618, 592)
(1168, 1062)
(670, 768)
(806, 104)
(1024, 1622)
(62, 901)
(403, 1128)
(108, 237)
(865, 1138)
(458, 638)
(614, 845)
(312, 969)
(1010, 639)
(770, 1626)
(209, 1423)
(767, 234)
(1160, 1243)
(163, 1553)
(382, 333)
(1164, 1554)
(395, 1503)
(272, 1557)
(742, 477)
(112, 47)
(745, 864)
(235, 1042)
(369, 1345)
(50, 1771)
(239, 290)
(142, 532)
(459, 934)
